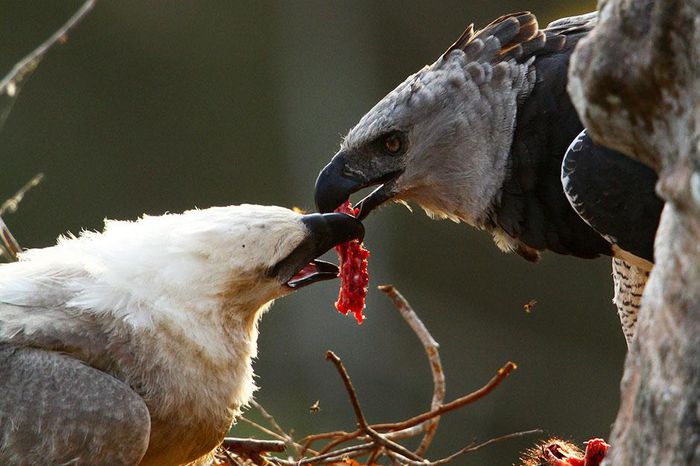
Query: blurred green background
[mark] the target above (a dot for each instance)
(163, 106)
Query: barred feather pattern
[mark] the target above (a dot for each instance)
(629, 282)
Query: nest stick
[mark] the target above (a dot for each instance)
(431, 350)
(9, 247)
(359, 415)
(468, 449)
(277, 428)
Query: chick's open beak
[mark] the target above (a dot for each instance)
(301, 267)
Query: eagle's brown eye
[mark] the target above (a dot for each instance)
(392, 143)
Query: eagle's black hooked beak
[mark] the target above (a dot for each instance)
(336, 183)
(302, 266)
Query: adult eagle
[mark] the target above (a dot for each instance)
(487, 135)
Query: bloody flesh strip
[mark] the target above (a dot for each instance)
(558, 454)
(595, 452)
(352, 262)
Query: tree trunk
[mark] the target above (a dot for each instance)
(636, 83)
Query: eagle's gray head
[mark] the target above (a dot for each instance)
(442, 137)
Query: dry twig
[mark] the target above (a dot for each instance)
(297, 447)
(261, 428)
(9, 247)
(362, 422)
(336, 455)
(288, 440)
(378, 440)
(251, 448)
(502, 373)
(10, 205)
(468, 449)
(10, 87)
(342, 437)
(11, 84)
(431, 350)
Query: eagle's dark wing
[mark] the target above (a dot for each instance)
(613, 194)
(533, 208)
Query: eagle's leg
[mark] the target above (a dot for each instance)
(629, 283)
(56, 410)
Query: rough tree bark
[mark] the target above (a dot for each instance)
(636, 83)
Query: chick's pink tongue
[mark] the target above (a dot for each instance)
(352, 262)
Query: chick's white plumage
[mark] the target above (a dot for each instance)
(134, 345)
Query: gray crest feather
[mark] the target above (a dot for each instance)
(517, 36)
(503, 39)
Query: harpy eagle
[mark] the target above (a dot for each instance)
(134, 346)
(487, 135)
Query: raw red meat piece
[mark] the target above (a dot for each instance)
(555, 452)
(352, 262)
(595, 452)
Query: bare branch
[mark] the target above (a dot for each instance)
(261, 428)
(10, 206)
(297, 446)
(9, 247)
(468, 449)
(502, 373)
(230, 457)
(288, 440)
(345, 437)
(310, 439)
(362, 422)
(342, 437)
(375, 454)
(472, 448)
(377, 440)
(431, 349)
(253, 449)
(10, 87)
(11, 84)
(249, 445)
(359, 415)
(337, 454)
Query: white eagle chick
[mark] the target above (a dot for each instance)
(134, 345)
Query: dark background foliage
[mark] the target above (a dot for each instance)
(163, 106)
